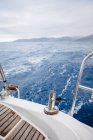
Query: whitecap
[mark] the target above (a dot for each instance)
(18, 69)
(78, 107)
(90, 100)
(35, 60)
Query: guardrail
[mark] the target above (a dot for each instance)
(78, 85)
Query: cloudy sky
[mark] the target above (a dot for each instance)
(45, 18)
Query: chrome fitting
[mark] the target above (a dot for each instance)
(51, 109)
(4, 94)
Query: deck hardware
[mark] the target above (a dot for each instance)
(78, 86)
(6, 87)
(4, 93)
(14, 88)
(51, 109)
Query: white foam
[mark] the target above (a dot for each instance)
(38, 59)
(67, 84)
(63, 72)
(63, 69)
(35, 60)
(17, 70)
(78, 107)
(90, 100)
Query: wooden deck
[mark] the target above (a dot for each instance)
(12, 127)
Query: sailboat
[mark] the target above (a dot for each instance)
(25, 120)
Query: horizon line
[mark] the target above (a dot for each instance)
(55, 37)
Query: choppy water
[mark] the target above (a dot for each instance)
(38, 67)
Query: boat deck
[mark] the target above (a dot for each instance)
(13, 127)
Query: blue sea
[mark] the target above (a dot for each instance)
(38, 67)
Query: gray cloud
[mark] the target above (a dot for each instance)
(40, 18)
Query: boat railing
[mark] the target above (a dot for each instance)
(6, 87)
(6, 91)
(78, 85)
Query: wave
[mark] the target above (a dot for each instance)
(36, 60)
(78, 107)
(17, 70)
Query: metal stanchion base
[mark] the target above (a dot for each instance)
(51, 112)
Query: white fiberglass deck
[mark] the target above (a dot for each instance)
(57, 127)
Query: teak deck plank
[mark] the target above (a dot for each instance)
(4, 110)
(6, 118)
(16, 130)
(1, 108)
(7, 123)
(31, 134)
(35, 137)
(1, 105)
(41, 137)
(5, 132)
(5, 114)
(22, 131)
(26, 133)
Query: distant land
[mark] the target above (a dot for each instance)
(52, 39)
(86, 38)
(44, 39)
